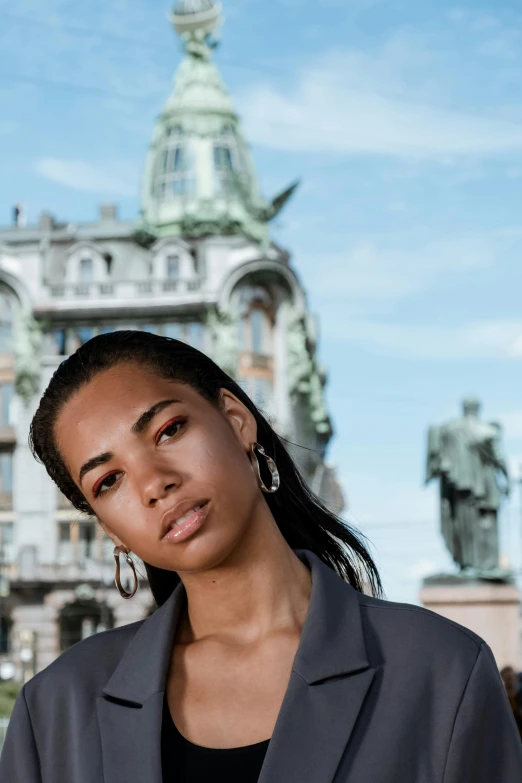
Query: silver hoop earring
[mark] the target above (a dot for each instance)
(122, 550)
(272, 467)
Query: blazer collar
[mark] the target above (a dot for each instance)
(331, 643)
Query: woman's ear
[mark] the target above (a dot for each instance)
(240, 418)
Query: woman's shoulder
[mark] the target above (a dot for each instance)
(89, 663)
(415, 631)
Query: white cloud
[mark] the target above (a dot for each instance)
(384, 269)
(488, 339)
(373, 103)
(114, 178)
(512, 424)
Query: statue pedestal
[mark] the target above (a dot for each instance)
(490, 609)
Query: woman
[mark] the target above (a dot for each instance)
(265, 660)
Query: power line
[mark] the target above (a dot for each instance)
(78, 29)
(70, 86)
(136, 42)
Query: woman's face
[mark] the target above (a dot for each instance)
(148, 453)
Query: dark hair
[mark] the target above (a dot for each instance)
(303, 519)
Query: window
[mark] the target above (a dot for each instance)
(6, 393)
(6, 542)
(229, 169)
(175, 170)
(86, 542)
(255, 332)
(151, 328)
(173, 267)
(76, 542)
(85, 333)
(59, 341)
(195, 334)
(173, 330)
(6, 534)
(64, 543)
(257, 319)
(6, 323)
(4, 634)
(6, 473)
(86, 270)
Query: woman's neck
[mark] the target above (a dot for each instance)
(262, 586)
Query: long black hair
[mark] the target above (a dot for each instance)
(302, 518)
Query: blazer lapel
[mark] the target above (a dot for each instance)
(130, 711)
(330, 679)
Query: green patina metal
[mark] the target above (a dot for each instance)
(200, 178)
(28, 338)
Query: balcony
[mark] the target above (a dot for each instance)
(7, 436)
(255, 361)
(123, 289)
(121, 297)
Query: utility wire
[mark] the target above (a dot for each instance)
(136, 42)
(43, 81)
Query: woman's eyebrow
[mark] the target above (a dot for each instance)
(138, 427)
(147, 417)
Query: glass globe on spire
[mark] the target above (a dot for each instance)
(196, 18)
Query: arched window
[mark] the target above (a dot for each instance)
(175, 170)
(81, 619)
(229, 168)
(255, 331)
(6, 322)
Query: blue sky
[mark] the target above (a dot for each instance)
(404, 121)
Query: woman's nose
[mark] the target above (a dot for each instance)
(156, 483)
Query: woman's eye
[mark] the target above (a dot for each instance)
(108, 482)
(171, 429)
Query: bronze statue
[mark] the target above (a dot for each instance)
(466, 456)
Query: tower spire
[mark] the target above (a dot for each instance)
(200, 178)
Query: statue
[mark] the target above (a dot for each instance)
(466, 456)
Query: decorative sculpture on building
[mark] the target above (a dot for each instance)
(304, 375)
(223, 333)
(27, 342)
(466, 456)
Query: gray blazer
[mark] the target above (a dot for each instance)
(379, 692)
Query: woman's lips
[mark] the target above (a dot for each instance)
(188, 527)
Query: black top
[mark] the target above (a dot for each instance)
(185, 762)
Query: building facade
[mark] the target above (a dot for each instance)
(197, 265)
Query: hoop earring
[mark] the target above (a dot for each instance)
(272, 467)
(122, 550)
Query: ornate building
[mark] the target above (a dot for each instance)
(197, 265)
